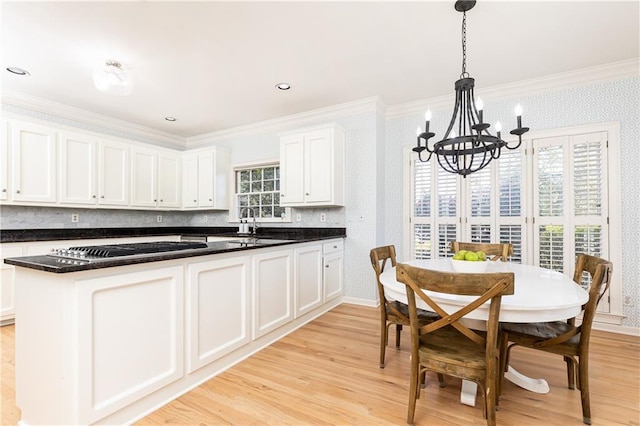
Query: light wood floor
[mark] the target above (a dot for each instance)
(327, 373)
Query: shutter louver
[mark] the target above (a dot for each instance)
(446, 234)
(422, 241)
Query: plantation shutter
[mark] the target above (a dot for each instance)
(511, 208)
(447, 189)
(421, 206)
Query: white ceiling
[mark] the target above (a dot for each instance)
(214, 65)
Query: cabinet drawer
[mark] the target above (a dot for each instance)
(332, 246)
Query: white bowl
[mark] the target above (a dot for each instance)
(469, 267)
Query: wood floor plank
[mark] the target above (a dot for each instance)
(327, 373)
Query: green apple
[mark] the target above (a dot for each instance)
(481, 255)
(471, 256)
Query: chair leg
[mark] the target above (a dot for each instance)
(398, 332)
(502, 364)
(571, 372)
(383, 340)
(583, 380)
(414, 389)
(441, 382)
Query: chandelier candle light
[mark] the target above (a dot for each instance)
(474, 149)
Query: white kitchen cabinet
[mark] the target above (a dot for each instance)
(218, 309)
(169, 180)
(333, 277)
(4, 160)
(312, 167)
(308, 271)
(272, 291)
(206, 180)
(113, 173)
(77, 169)
(34, 162)
(154, 178)
(93, 171)
(7, 311)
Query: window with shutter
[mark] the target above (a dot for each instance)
(549, 198)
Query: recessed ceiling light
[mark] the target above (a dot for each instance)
(283, 86)
(170, 118)
(18, 71)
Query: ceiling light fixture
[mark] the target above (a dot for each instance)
(18, 71)
(475, 147)
(283, 86)
(113, 79)
(170, 118)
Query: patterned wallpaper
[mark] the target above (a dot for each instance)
(617, 100)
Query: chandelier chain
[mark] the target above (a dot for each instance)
(464, 46)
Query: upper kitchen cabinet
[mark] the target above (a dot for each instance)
(4, 160)
(33, 162)
(205, 180)
(155, 178)
(312, 167)
(92, 171)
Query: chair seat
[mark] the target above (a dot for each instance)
(447, 351)
(423, 316)
(527, 334)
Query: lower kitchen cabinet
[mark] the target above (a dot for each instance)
(333, 281)
(308, 278)
(272, 291)
(218, 309)
(107, 346)
(7, 311)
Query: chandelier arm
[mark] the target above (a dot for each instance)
(517, 146)
(454, 116)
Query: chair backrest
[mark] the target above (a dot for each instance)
(488, 287)
(600, 271)
(499, 251)
(379, 258)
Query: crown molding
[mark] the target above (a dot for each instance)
(612, 71)
(290, 121)
(44, 106)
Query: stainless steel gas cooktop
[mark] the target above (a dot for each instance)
(105, 252)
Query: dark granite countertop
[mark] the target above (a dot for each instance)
(57, 265)
(25, 235)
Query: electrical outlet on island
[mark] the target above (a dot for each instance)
(159, 218)
(323, 217)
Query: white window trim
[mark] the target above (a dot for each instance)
(233, 207)
(615, 314)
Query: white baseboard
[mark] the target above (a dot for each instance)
(620, 329)
(361, 302)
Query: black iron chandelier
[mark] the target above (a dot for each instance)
(467, 145)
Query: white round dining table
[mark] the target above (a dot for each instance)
(540, 295)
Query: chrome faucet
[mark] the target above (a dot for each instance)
(252, 210)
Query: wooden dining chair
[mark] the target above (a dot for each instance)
(498, 251)
(391, 311)
(565, 337)
(447, 346)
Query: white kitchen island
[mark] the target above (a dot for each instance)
(111, 345)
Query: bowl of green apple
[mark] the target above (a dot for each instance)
(470, 262)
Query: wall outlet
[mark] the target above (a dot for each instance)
(205, 218)
(159, 218)
(323, 217)
(75, 217)
(298, 217)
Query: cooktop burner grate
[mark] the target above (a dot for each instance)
(117, 250)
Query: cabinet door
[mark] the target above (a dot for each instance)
(130, 339)
(333, 277)
(292, 170)
(168, 180)
(190, 181)
(7, 311)
(34, 162)
(319, 167)
(205, 179)
(308, 278)
(77, 168)
(143, 178)
(4, 160)
(218, 309)
(113, 173)
(272, 291)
